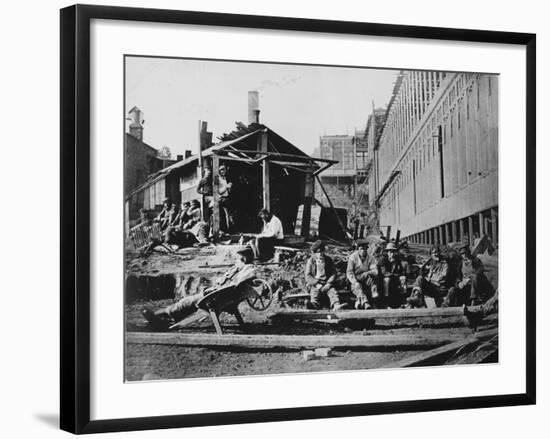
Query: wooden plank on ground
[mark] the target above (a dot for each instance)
(440, 354)
(196, 317)
(370, 313)
(381, 317)
(295, 342)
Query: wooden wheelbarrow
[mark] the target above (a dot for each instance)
(257, 292)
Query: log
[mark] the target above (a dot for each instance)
(294, 342)
(304, 314)
(380, 317)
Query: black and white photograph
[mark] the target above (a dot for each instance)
(297, 218)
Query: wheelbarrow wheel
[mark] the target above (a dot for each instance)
(263, 297)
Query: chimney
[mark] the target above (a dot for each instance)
(205, 137)
(136, 120)
(253, 107)
(179, 158)
(187, 153)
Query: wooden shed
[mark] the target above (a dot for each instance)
(265, 169)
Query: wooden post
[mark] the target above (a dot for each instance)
(453, 232)
(308, 198)
(494, 231)
(201, 174)
(262, 146)
(448, 233)
(334, 210)
(216, 194)
(471, 230)
(441, 234)
(461, 228)
(388, 233)
(481, 224)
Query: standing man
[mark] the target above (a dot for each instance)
(271, 235)
(472, 286)
(224, 190)
(320, 276)
(362, 273)
(434, 281)
(393, 273)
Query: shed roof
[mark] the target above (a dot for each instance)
(244, 138)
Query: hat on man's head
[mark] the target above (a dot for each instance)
(362, 243)
(318, 245)
(391, 247)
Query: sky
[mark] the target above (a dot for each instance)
(300, 103)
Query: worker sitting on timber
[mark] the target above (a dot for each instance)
(434, 281)
(167, 214)
(195, 223)
(320, 274)
(472, 286)
(362, 272)
(242, 271)
(271, 235)
(183, 216)
(476, 313)
(393, 273)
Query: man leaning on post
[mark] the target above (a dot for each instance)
(320, 275)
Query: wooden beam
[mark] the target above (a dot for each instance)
(309, 189)
(439, 355)
(333, 210)
(370, 313)
(471, 230)
(266, 191)
(292, 342)
(481, 224)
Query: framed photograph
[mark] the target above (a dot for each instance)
(276, 218)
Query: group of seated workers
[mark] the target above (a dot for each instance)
(182, 226)
(379, 280)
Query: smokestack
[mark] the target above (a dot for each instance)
(179, 158)
(253, 107)
(136, 127)
(187, 153)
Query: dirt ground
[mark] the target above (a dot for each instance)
(194, 268)
(169, 362)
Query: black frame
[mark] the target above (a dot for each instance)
(75, 214)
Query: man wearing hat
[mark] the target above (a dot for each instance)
(242, 271)
(167, 214)
(224, 190)
(320, 275)
(393, 273)
(195, 223)
(362, 273)
(435, 280)
(472, 286)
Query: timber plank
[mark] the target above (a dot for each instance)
(295, 342)
(434, 356)
(381, 317)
